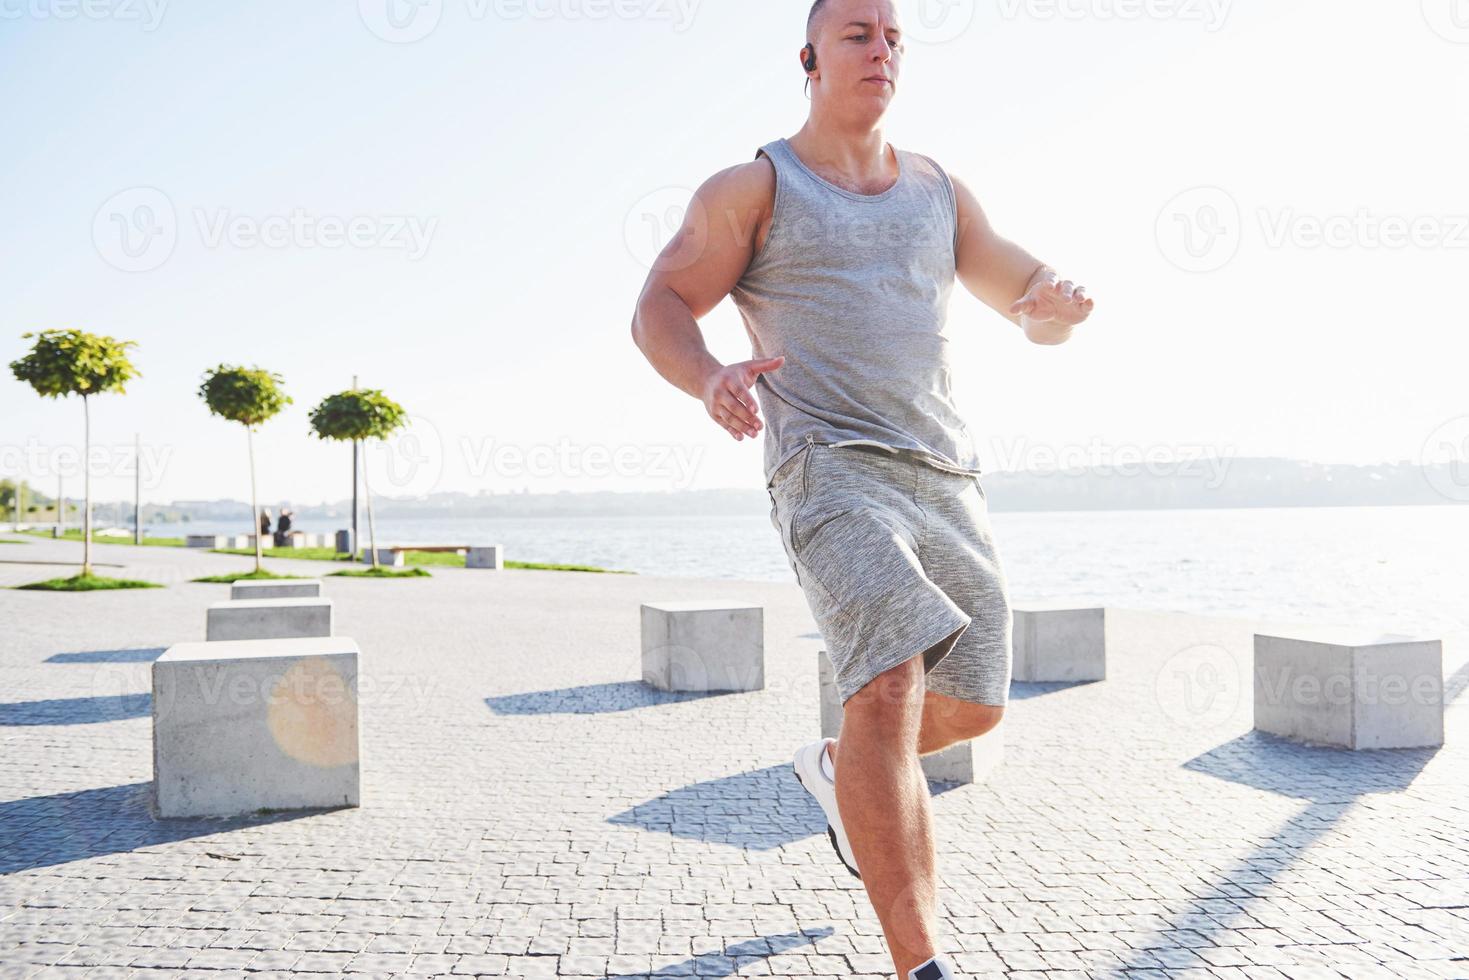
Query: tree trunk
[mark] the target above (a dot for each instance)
(254, 506)
(86, 487)
(371, 527)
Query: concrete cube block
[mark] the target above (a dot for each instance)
(246, 725)
(305, 539)
(1057, 642)
(1351, 688)
(705, 645)
(268, 619)
(306, 588)
(387, 557)
(971, 761)
(207, 541)
(485, 556)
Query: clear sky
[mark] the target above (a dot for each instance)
(455, 201)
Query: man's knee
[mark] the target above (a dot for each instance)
(966, 719)
(894, 694)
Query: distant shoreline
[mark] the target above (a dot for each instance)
(1235, 485)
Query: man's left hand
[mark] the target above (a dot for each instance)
(1054, 303)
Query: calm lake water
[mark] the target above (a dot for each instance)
(1399, 569)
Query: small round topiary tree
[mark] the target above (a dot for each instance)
(361, 413)
(73, 362)
(250, 396)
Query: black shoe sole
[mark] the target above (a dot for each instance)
(831, 833)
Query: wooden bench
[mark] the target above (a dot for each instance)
(475, 556)
(392, 556)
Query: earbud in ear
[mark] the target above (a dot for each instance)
(810, 62)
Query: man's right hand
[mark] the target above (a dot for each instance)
(728, 400)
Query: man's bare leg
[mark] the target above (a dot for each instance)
(884, 802)
(948, 721)
(891, 831)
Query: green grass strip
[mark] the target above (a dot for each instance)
(87, 583)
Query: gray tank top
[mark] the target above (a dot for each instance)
(853, 290)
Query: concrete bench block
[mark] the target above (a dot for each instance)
(486, 556)
(306, 588)
(1055, 642)
(207, 541)
(709, 645)
(386, 556)
(268, 619)
(306, 539)
(245, 725)
(971, 761)
(1350, 688)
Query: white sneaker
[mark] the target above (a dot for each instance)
(934, 969)
(809, 772)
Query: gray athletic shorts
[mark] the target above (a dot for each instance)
(894, 555)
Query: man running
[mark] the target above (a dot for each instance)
(840, 252)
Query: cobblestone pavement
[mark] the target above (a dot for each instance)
(531, 810)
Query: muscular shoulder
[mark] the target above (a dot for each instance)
(742, 186)
(737, 202)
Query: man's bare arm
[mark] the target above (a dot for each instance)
(1011, 281)
(695, 271)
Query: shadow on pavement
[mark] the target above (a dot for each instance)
(43, 831)
(594, 699)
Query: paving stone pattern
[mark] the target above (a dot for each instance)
(531, 810)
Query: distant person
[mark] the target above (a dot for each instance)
(840, 251)
(264, 522)
(283, 529)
